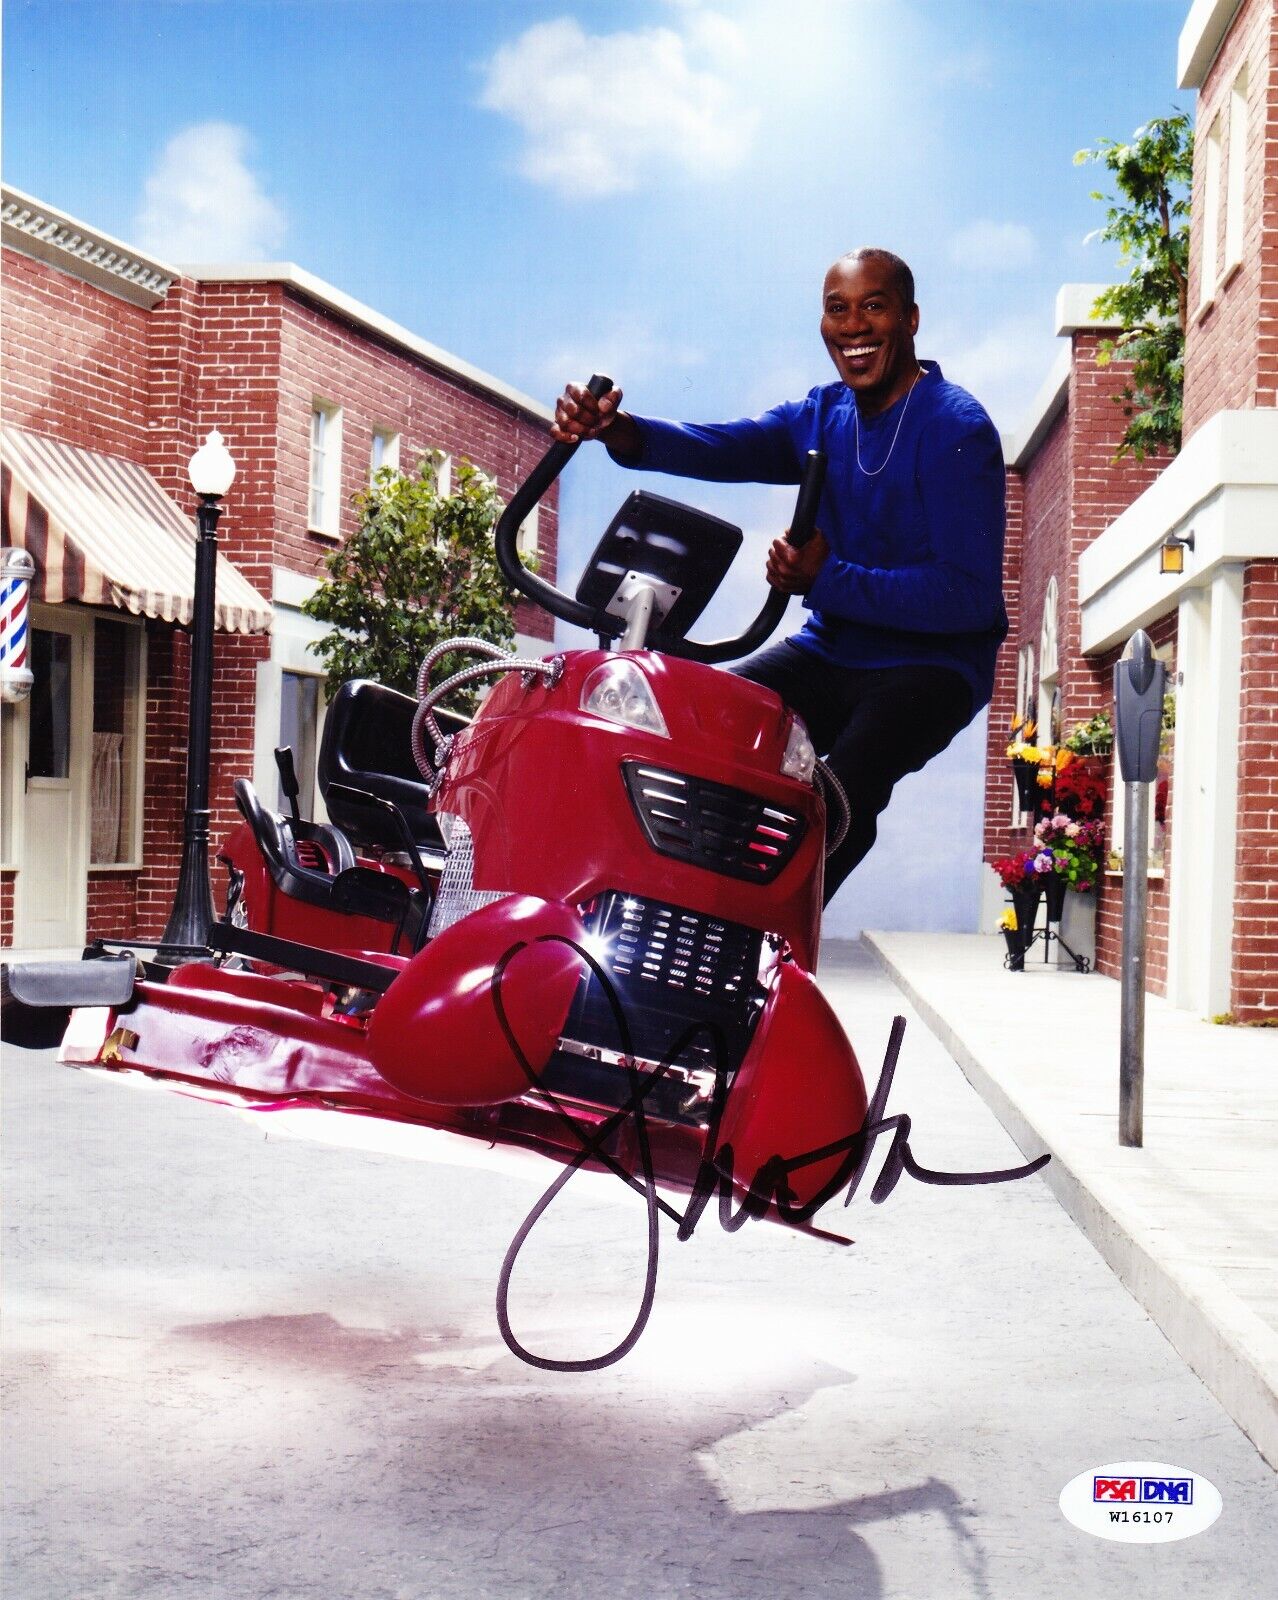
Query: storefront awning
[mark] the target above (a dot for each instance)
(101, 530)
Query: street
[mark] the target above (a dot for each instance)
(243, 1361)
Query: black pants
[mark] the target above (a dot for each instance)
(871, 725)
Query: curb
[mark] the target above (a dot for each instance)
(1227, 1345)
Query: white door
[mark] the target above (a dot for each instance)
(51, 888)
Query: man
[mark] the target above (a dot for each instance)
(903, 581)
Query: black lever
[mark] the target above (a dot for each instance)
(289, 783)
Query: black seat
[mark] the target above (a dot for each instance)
(367, 745)
(315, 863)
(306, 873)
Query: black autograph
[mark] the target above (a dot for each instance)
(768, 1188)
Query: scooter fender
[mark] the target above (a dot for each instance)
(798, 1090)
(436, 1032)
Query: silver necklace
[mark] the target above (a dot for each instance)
(865, 470)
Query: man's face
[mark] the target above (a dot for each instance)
(869, 331)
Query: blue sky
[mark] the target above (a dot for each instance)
(651, 188)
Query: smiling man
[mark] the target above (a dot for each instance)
(903, 582)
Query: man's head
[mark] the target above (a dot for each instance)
(868, 322)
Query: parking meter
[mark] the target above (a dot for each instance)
(1139, 686)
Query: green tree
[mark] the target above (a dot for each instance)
(1149, 221)
(419, 569)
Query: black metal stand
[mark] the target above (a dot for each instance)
(1015, 961)
(186, 933)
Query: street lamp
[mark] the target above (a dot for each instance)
(211, 472)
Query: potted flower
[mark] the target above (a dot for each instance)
(1009, 928)
(1023, 881)
(1077, 848)
(1033, 766)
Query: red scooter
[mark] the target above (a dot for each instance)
(582, 923)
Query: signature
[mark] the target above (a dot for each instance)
(769, 1188)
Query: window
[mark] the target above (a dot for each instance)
(1210, 266)
(385, 451)
(326, 468)
(1236, 172)
(115, 778)
(1024, 696)
(299, 730)
(1049, 699)
(526, 538)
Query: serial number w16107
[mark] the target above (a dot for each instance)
(1140, 1516)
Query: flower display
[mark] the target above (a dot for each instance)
(1095, 737)
(1073, 849)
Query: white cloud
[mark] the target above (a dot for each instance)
(600, 111)
(985, 246)
(202, 203)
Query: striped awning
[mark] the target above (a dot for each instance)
(101, 530)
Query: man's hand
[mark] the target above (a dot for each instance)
(581, 415)
(794, 571)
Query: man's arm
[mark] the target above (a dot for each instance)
(750, 450)
(960, 588)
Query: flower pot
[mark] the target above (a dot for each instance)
(1015, 960)
(1078, 930)
(1025, 899)
(1054, 894)
(1027, 789)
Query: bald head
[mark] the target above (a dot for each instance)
(902, 277)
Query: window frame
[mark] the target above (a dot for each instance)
(328, 448)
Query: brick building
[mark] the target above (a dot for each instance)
(115, 367)
(1083, 569)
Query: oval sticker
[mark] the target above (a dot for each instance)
(1141, 1502)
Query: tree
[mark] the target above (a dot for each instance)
(419, 569)
(1149, 221)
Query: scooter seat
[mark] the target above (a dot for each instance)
(300, 878)
(367, 746)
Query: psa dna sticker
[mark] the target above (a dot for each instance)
(1140, 1502)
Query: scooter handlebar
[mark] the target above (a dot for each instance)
(539, 480)
(802, 527)
(516, 513)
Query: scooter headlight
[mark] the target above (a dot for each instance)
(800, 756)
(619, 692)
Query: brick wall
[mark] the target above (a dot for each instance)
(1062, 499)
(1231, 346)
(377, 385)
(74, 360)
(85, 367)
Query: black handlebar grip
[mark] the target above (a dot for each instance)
(599, 386)
(803, 525)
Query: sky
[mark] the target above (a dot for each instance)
(548, 188)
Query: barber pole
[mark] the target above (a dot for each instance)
(16, 572)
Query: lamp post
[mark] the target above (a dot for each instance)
(211, 472)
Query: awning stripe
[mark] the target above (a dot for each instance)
(102, 531)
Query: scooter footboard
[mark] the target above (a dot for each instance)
(799, 1090)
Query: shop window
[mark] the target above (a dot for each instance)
(115, 773)
(299, 730)
(326, 468)
(49, 742)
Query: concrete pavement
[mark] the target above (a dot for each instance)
(240, 1363)
(1189, 1222)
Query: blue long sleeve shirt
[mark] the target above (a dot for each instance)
(915, 525)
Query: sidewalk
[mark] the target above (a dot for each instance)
(1189, 1223)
